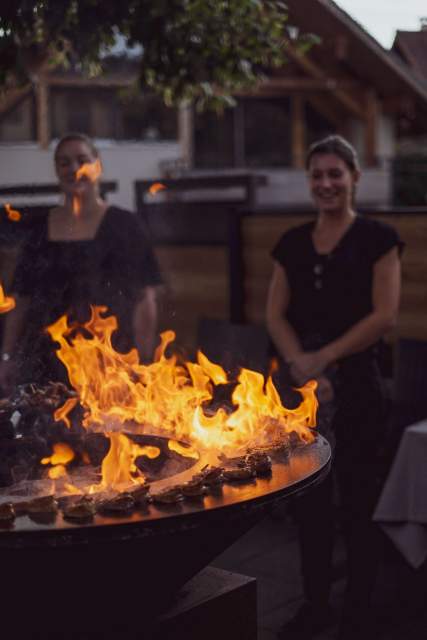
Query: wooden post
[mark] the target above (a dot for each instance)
(371, 128)
(186, 134)
(42, 111)
(298, 131)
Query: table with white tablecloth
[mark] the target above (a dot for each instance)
(402, 507)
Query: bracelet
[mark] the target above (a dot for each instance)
(5, 357)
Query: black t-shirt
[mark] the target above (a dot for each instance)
(331, 292)
(68, 276)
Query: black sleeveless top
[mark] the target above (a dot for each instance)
(60, 277)
(331, 292)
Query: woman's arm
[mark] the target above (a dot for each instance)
(366, 332)
(281, 332)
(144, 324)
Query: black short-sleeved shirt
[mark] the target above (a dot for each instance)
(68, 276)
(331, 292)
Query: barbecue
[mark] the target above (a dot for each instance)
(134, 485)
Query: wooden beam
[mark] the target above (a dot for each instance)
(371, 127)
(298, 132)
(303, 83)
(124, 80)
(42, 111)
(314, 70)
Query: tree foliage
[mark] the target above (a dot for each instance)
(192, 49)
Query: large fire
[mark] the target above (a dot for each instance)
(168, 398)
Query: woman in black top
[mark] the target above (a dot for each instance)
(93, 254)
(333, 295)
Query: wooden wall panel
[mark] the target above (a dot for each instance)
(260, 234)
(197, 278)
(196, 285)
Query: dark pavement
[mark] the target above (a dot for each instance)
(269, 552)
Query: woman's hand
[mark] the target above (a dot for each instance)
(309, 364)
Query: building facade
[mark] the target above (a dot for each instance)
(345, 83)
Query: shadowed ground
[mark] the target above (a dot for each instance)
(269, 552)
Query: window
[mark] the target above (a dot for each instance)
(256, 133)
(267, 132)
(317, 125)
(89, 111)
(110, 113)
(214, 139)
(145, 117)
(19, 123)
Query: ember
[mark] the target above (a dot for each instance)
(13, 214)
(6, 303)
(155, 188)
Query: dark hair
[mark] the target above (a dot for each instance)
(80, 137)
(338, 146)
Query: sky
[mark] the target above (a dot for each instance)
(383, 17)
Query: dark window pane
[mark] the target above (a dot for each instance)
(112, 113)
(90, 111)
(18, 123)
(78, 117)
(267, 132)
(318, 126)
(145, 117)
(214, 139)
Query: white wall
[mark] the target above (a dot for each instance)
(127, 162)
(386, 138)
(124, 162)
(290, 187)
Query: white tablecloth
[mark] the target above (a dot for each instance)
(402, 508)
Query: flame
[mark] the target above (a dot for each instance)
(77, 205)
(59, 471)
(7, 303)
(12, 214)
(62, 412)
(89, 170)
(155, 188)
(274, 366)
(62, 454)
(118, 467)
(184, 450)
(72, 490)
(169, 397)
